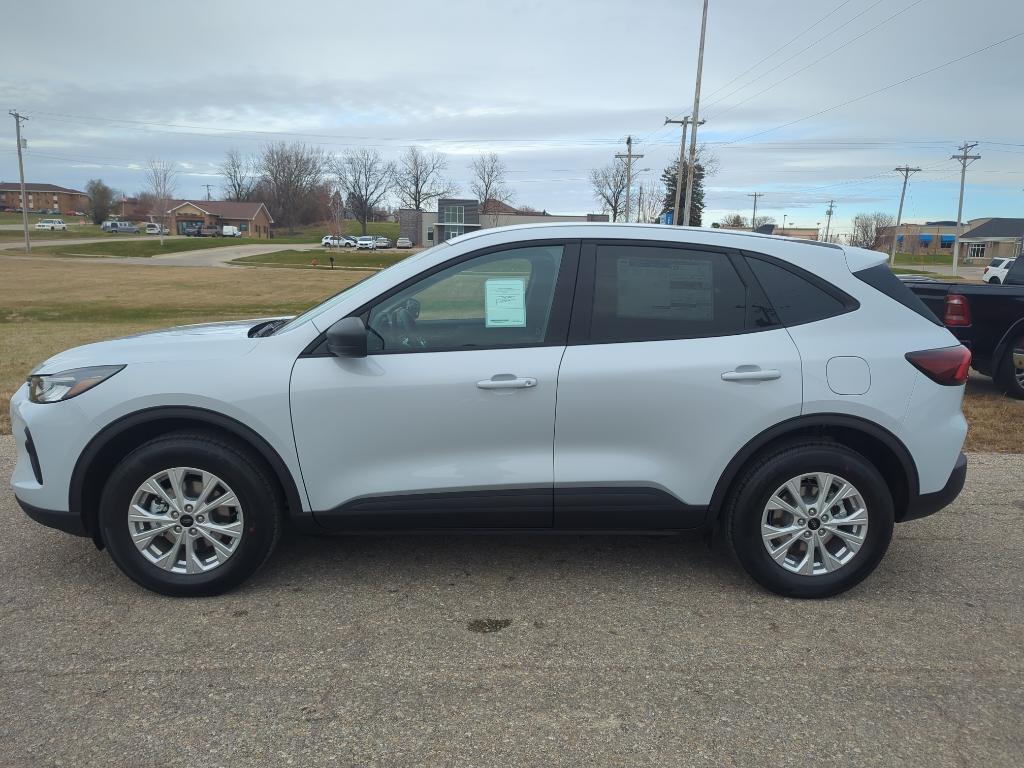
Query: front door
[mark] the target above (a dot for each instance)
(449, 420)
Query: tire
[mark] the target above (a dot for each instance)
(1007, 378)
(747, 504)
(994, 281)
(257, 517)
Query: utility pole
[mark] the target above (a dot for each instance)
(753, 216)
(628, 157)
(965, 160)
(829, 212)
(18, 120)
(906, 170)
(208, 190)
(784, 224)
(685, 122)
(696, 116)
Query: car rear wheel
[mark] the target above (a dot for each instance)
(810, 520)
(1011, 374)
(188, 515)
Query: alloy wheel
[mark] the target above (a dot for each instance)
(814, 524)
(185, 520)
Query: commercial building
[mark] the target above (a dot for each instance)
(456, 216)
(252, 219)
(45, 198)
(993, 238)
(930, 238)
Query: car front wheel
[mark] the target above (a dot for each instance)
(810, 520)
(189, 515)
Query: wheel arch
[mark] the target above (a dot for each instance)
(1004, 343)
(125, 434)
(886, 451)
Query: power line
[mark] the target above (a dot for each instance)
(818, 60)
(807, 48)
(781, 47)
(880, 90)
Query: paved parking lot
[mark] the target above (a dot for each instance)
(517, 651)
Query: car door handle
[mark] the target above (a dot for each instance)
(507, 381)
(752, 373)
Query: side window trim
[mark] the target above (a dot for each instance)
(561, 306)
(583, 304)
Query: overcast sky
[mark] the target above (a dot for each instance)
(553, 87)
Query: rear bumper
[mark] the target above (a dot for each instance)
(69, 522)
(929, 503)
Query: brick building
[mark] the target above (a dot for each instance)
(252, 219)
(44, 198)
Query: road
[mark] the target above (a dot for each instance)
(607, 651)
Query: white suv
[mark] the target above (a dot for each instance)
(793, 395)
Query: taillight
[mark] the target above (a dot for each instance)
(958, 311)
(947, 366)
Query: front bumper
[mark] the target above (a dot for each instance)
(69, 522)
(929, 503)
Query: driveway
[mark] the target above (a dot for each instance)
(205, 257)
(522, 651)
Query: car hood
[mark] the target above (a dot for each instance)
(183, 343)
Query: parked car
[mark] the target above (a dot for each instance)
(988, 320)
(338, 241)
(229, 230)
(382, 242)
(403, 242)
(793, 393)
(119, 227)
(366, 242)
(53, 225)
(152, 228)
(996, 271)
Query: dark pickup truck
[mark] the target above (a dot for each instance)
(988, 320)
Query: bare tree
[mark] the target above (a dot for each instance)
(760, 221)
(866, 228)
(648, 202)
(240, 174)
(609, 184)
(490, 179)
(419, 178)
(161, 181)
(366, 178)
(290, 177)
(734, 221)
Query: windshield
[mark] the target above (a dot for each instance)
(340, 296)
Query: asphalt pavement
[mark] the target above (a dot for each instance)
(522, 651)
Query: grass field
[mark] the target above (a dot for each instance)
(118, 248)
(17, 235)
(48, 306)
(344, 259)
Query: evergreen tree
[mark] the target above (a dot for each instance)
(668, 178)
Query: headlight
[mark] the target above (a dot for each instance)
(54, 387)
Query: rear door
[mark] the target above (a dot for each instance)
(675, 361)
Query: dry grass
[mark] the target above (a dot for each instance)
(47, 306)
(997, 421)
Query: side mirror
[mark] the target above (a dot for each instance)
(347, 338)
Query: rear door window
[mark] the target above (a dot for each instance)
(646, 293)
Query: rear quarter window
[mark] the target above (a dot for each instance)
(798, 297)
(881, 278)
